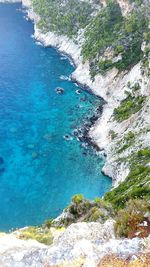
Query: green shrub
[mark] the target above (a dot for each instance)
(78, 206)
(48, 223)
(128, 106)
(123, 35)
(119, 49)
(127, 142)
(128, 219)
(40, 234)
(101, 32)
(112, 134)
(136, 184)
(94, 215)
(63, 18)
(77, 199)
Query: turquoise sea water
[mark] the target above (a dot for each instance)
(39, 169)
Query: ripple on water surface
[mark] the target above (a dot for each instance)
(41, 163)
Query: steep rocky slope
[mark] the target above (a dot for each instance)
(109, 42)
(115, 65)
(81, 244)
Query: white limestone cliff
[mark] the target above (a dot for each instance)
(111, 87)
(81, 244)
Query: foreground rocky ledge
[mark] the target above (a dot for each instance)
(81, 244)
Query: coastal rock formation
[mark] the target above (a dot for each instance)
(112, 87)
(81, 244)
(123, 132)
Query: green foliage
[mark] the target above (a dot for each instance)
(104, 65)
(145, 66)
(81, 209)
(119, 49)
(123, 35)
(63, 17)
(77, 199)
(130, 136)
(94, 215)
(112, 134)
(128, 106)
(129, 218)
(137, 2)
(127, 141)
(102, 31)
(137, 183)
(42, 235)
(136, 87)
(48, 223)
(79, 205)
(106, 28)
(147, 36)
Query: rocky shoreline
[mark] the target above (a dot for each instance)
(110, 87)
(86, 243)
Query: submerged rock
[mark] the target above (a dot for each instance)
(83, 99)
(2, 170)
(13, 130)
(30, 146)
(78, 92)
(64, 78)
(47, 136)
(59, 90)
(1, 161)
(34, 155)
(67, 137)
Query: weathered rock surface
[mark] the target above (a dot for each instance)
(81, 244)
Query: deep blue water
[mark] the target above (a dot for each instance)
(39, 169)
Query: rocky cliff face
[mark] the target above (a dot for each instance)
(123, 132)
(112, 86)
(81, 244)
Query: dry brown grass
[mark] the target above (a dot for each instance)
(143, 260)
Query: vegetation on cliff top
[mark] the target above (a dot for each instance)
(130, 219)
(63, 17)
(130, 105)
(41, 234)
(137, 183)
(110, 40)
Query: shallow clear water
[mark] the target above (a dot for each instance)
(39, 169)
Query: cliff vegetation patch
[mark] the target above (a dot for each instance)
(112, 40)
(130, 105)
(63, 17)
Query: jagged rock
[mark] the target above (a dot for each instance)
(81, 244)
(59, 90)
